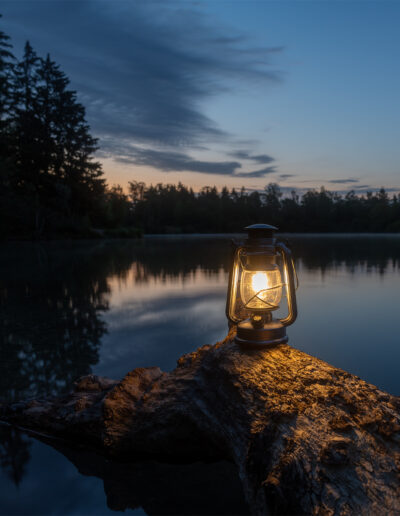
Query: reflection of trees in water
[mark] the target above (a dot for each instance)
(50, 328)
(165, 259)
(51, 300)
(353, 252)
(14, 452)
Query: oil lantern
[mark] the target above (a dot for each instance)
(262, 272)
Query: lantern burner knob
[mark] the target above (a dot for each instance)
(258, 320)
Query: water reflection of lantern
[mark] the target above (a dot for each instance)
(263, 269)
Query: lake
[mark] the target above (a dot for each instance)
(105, 307)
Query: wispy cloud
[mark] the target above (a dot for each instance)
(175, 161)
(344, 181)
(168, 161)
(262, 159)
(286, 176)
(257, 173)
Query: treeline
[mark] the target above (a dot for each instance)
(50, 183)
(177, 208)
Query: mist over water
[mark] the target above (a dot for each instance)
(71, 308)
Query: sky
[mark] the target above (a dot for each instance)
(235, 93)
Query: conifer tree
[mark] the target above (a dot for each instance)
(6, 163)
(52, 145)
(66, 141)
(6, 66)
(26, 123)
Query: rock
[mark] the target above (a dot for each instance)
(306, 437)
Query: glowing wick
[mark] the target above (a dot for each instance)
(259, 281)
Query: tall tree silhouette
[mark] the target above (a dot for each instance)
(6, 163)
(6, 67)
(67, 144)
(49, 180)
(28, 180)
(53, 147)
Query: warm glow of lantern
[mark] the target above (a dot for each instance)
(261, 290)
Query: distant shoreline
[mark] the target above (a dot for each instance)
(183, 236)
(283, 234)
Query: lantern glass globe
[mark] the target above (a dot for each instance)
(261, 290)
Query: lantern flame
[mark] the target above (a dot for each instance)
(259, 281)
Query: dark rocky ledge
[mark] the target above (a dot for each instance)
(307, 438)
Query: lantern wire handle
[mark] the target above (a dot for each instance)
(295, 274)
(292, 283)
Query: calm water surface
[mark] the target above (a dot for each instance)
(69, 309)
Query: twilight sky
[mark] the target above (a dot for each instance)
(303, 93)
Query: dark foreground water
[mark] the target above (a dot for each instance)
(69, 309)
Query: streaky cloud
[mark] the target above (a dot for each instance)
(262, 159)
(174, 161)
(344, 181)
(357, 187)
(257, 173)
(168, 161)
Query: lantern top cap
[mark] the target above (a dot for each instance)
(260, 234)
(261, 226)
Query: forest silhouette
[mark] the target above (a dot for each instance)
(51, 186)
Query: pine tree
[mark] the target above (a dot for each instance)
(26, 123)
(52, 146)
(7, 200)
(6, 67)
(66, 141)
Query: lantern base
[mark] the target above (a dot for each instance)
(271, 334)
